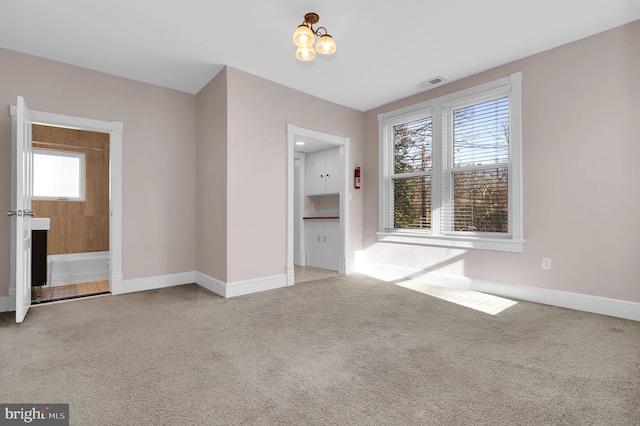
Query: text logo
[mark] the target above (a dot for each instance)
(34, 414)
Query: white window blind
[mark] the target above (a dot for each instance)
(477, 174)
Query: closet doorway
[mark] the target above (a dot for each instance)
(320, 208)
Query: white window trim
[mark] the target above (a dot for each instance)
(82, 173)
(511, 243)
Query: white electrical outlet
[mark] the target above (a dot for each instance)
(546, 263)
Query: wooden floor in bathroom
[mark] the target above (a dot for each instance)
(52, 294)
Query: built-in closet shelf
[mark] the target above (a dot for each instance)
(321, 217)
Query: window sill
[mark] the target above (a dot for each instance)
(508, 245)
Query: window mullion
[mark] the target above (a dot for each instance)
(385, 183)
(447, 169)
(515, 158)
(436, 177)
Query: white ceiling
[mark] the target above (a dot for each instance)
(385, 48)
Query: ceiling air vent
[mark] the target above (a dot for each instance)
(428, 84)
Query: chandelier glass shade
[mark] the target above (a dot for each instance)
(305, 53)
(326, 45)
(304, 37)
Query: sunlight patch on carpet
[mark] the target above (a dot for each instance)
(482, 302)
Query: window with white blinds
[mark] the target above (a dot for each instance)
(451, 170)
(477, 171)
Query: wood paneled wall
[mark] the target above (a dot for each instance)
(76, 226)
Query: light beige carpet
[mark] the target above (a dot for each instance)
(350, 350)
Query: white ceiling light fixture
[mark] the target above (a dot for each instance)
(304, 36)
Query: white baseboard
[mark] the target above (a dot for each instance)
(8, 303)
(564, 299)
(291, 275)
(240, 288)
(5, 306)
(577, 301)
(116, 283)
(350, 266)
(581, 302)
(152, 283)
(216, 286)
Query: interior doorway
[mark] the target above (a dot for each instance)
(71, 190)
(303, 143)
(19, 262)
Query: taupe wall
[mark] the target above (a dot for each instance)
(158, 155)
(581, 106)
(211, 178)
(241, 170)
(258, 112)
(77, 226)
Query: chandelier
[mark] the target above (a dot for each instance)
(304, 36)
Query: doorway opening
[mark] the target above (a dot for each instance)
(71, 189)
(318, 204)
(22, 121)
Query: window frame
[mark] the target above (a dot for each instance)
(440, 110)
(81, 172)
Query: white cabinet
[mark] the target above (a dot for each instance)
(323, 172)
(332, 171)
(322, 237)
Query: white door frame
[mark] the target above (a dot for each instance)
(114, 129)
(298, 204)
(343, 143)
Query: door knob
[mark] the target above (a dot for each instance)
(11, 213)
(28, 212)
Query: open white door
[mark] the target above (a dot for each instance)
(21, 208)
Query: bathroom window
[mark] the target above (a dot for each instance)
(58, 175)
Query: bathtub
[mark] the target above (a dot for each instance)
(76, 268)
